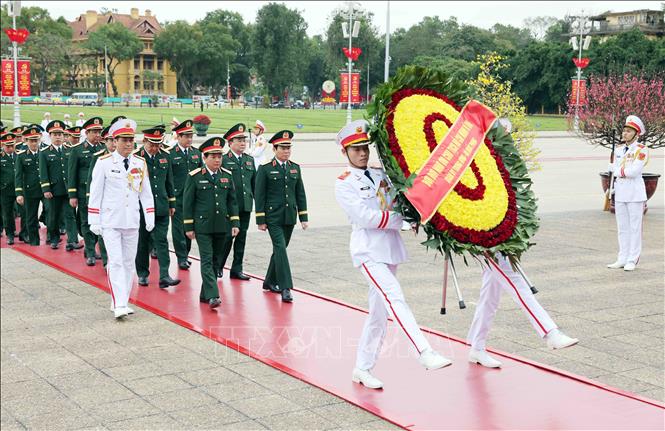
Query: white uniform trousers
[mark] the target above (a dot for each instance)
(495, 278)
(121, 245)
(629, 227)
(385, 300)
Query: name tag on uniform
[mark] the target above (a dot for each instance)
(115, 171)
(364, 188)
(177, 158)
(203, 181)
(163, 161)
(274, 172)
(85, 152)
(294, 171)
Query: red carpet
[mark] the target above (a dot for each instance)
(314, 340)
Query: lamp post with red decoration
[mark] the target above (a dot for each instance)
(15, 10)
(581, 26)
(350, 30)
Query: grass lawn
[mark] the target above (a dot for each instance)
(311, 121)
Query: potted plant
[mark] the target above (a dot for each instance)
(610, 99)
(201, 124)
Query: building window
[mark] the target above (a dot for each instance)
(148, 63)
(160, 64)
(137, 63)
(627, 20)
(148, 46)
(160, 86)
(137, 83)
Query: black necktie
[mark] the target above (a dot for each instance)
(369, 176)
(126, 162)
(185, 151)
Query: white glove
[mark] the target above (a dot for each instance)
(406, 225)
(96, 229)
(149, 227)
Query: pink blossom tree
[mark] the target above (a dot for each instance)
(610, 99)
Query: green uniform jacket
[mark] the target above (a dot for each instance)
(7, 179)
(182, 166)
(209, 206)
(53, 170)
(161, 180)
(26, 178)
(280, 194)
(80, 160)
(244, 178)
(95, 157)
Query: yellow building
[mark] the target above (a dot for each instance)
(146, 74)
(649, 22)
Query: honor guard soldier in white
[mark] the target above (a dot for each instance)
(120, 181)
(629, 193)
(376, 249)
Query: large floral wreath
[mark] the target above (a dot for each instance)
(492, 208)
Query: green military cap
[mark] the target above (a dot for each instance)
(282, 138)
(237, 131)
(17, 130)
(2, 127)
(119, 117)
(8, 138)
(55, 126)
(95, 123)
(155, 134)
(32, 131)
(105, 132)
(184, 128)
(212, 145)
(74, 131)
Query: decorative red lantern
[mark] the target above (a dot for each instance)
(581, 62)
(353, 54)
(19, 35)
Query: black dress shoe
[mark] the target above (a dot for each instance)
(214, 303)
(98, 256)
(23, 238)
(220, 273)
(69, 246)
(189, 262)
(153, 254)
(78, 246)
(239, 276)
(168, 281)
(90, 261)
(286, 295)
(183, 265)
(54, 245)
(271, 287)
(143, 281)
(10, 241)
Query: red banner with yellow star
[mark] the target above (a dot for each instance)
(446, 164)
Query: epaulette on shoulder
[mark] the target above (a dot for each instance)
(194, 172)
(20, 152)
(344, 175)
(138, 157)
(227, 171)
(266, 163)
(75, 145)
(136, 151)
(294, 163)
(99, 153)
(166, 150)
(106, 156)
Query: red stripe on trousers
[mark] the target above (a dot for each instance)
(391, 307)
(518, 295)
(108, 281)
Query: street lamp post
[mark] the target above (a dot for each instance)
(387, 62)
(582, 25)
(353, 29)
(16, 10)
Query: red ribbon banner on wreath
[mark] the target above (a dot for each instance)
(581, 62)
(19, 35)
(445, 166)
(353, 54)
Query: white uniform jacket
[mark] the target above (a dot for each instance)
(376, 229)
(115, 193)
(627, 167)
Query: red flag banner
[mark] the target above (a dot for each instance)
(24, 78)
(581, 62)
(445, 166)
(7, 77)
(581, 85)
(344, 90)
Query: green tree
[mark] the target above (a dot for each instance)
(629, 52)
(178, 43)
(315, 71)
(278, 42)
(120, 45)
(455, 67)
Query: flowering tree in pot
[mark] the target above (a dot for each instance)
(609, 101)
(201, 124)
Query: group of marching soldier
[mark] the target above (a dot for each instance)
(121, 199)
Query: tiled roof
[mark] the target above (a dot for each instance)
(143, 27)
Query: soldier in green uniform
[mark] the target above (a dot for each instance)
(242, 167)
(20, 209)
(26, 181)
(184, 159)
(77, 180)
(73, 135)
(209, 208)
(72, 227)
(280, 200)
(7, 192)
(53, 177)
(161, 182)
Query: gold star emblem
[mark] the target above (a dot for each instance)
(241, 129)
(158, 133)
(188, 124)
(359, 129)
(285, 135)
(216, 141)
(96, 121)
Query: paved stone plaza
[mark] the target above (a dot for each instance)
(66, 364)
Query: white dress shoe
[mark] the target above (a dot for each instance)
(616, 265)
(481, 357)
(558, 340)
(129, 310)
(365, 378)
(630, 266)
(432, 360)
(120, 312)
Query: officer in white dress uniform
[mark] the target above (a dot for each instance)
(376, 249)
(498, 275)
(120, 181)
(258, 144)
(629, 193)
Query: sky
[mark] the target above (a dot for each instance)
(403, 14)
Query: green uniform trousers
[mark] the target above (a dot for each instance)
(8, 215)
(20, 210)
(31, 221)
(147, 240)
(70, 224)
(238, 244)
(210, 245)
(279, 270)
(56, 216)
(181, 244)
